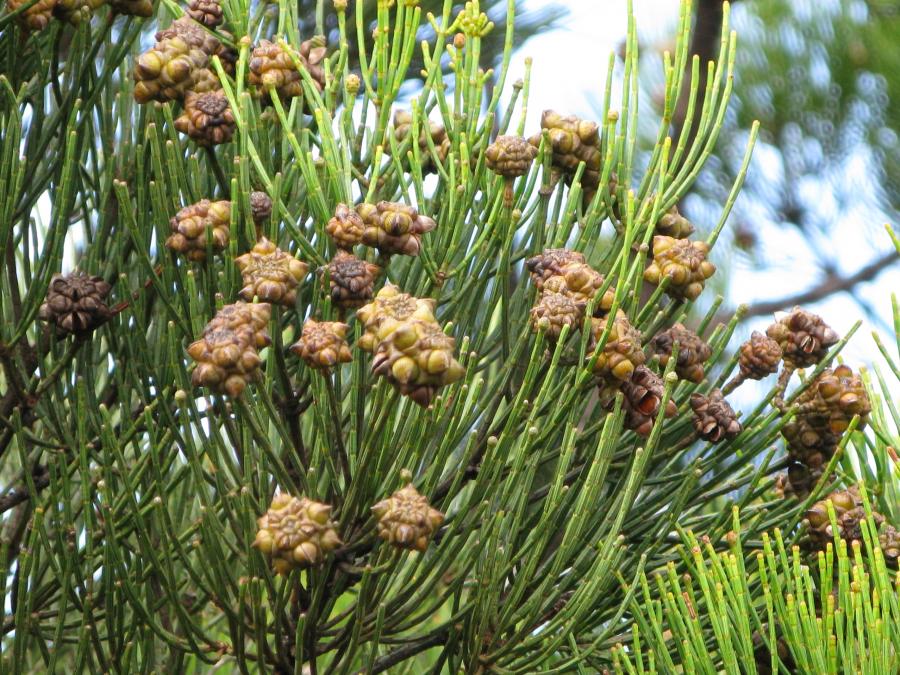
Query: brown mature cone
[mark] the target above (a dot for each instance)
(392, 227)
(683, 262)
(643, 394)
(260, 207)
(403, 128)
(346, 227)
(270, 274)
(323, 344)
(889, 538)
(797, 482)
(351, 280)
(417, 358)
(714, 419)
(36, 17)
(759, 357)
(76, 303)
(244, 316)
(834, 398)
(168, 70)
(551, 263)
(849, 514)
(510, 156)
(622, 352)
(804, 337)
(272, 68)
(693, 352)
(190, 226)
(193, 34)
(207, 118)
(581, 282)
(406, 519)
(552, 311)
(296, 533)
(226, 353)
(573, 141)
(207, 12)
(387, 311)
(142, 8)
(673, 224)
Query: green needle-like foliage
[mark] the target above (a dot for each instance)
(773, 611)
(131, 497)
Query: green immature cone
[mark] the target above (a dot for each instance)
(510, 157)
(296, 533)
(190, 226)
(406, 520)
(351, 280)
(167, 71)
(323, 344)
(804, 337)
(693, 352)
(270, 274)
(683, 262)
(387, 312)
(403, 129)
(207, 118)
(714, 418)
(76, 303)
(393, 228)
(621, 353)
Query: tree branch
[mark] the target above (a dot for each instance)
(833, 283)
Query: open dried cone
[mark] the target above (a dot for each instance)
(351, 280)
(643, 395)
(323, 344)
(393, 228)
(406, 520)
(190, 226)
(76, 303)
(683, 262)
(403, 129)
(714, 418)
(296, 533)
(693, 352)
(270, 274)
(804, 339)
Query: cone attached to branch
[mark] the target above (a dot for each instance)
(683, 262)
(582, 283)
(168, 70)
(551, 263)
(406, 520)
(553, 311)
(274, 70)
(510, 157)
(207, 118)
(622, 352)
(192, 224)
(76, 303)
(207, 12)
(346, 227)
(387, 311)
(572, 141)
(270, 274)
(393, 228)
(403, 129)
(673, 224)
(323, 344)
(351, 280)
(849, 513)
(714, 418)
(37, 17)
(643, 396)
(296, 533)
(260, 207)
(693, 352)
(759, 357)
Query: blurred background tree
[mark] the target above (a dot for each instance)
(823, 79)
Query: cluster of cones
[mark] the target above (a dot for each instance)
(298, 533)
(38, 16)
